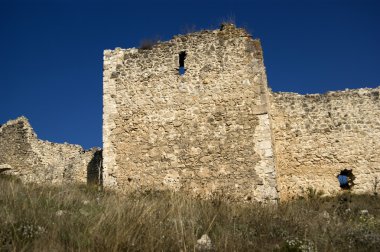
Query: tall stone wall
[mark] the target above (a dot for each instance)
(317, 136)
(33, 160)
(205, 132)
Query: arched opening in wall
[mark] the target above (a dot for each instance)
(346, 179)
(182, 57)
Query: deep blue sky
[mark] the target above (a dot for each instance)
(51, 51)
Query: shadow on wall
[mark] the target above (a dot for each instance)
(95, 170)
(4, 167)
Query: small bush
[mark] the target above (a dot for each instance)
(229, 19)
(189, 29)
(147, 44)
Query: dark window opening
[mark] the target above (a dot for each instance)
(346, 179)
(182, 57)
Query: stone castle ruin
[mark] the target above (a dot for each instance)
(33, 160)
(195, 114)
(317, 136)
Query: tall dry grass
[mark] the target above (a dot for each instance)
(78, 218)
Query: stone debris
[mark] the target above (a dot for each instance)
(204, 243)
(364, 212)
(59, 213)
(326, 215)
(85, 202)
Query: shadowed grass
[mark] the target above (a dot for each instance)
(72, 218)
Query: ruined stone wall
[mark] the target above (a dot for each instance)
(205, 132)
(317, 136)
(38, 161)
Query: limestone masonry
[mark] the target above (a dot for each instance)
(317, 136)
(34, 160)
(195, 114)
(206, 131)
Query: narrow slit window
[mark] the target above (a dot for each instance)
(182, 57)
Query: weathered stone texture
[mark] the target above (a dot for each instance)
(216, 130)
(317, 136)
(206, 132)
(38, 161)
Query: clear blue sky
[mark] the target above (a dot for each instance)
(51, 51)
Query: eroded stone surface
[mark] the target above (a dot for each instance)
(38, 161)
(316, 136)
(206, 132)
(214, 131)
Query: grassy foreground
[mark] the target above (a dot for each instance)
(75, 218)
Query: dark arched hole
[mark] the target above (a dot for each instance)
(182, 57)
(346, 179)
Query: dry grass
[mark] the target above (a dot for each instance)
(72, 218)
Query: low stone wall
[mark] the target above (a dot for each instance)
(38, 161)
(316, 136)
